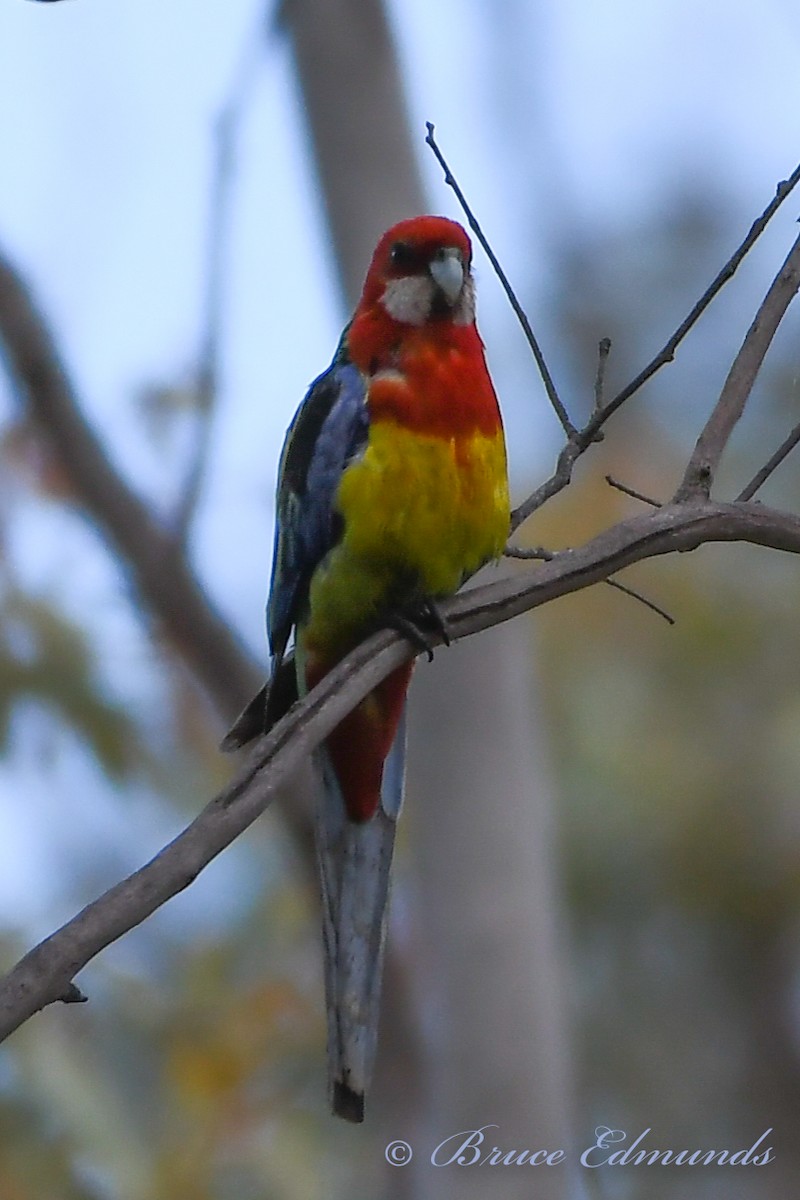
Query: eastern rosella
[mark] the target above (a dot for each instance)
(392, 491)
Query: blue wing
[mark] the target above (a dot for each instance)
(328, 431)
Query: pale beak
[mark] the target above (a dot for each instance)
(448, 273)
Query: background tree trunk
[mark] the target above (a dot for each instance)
(489, 1044)
(486, 911)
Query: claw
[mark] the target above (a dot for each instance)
(411, 622)
(438, 619)
(412, 631)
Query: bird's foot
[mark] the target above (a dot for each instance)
(417, 623)
(437, 619)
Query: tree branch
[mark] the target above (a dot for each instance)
(45, 974)
(159, 571)
(637, 495)
(562, 475)
(702, 466)
(603, 351)
(155, 562)
(771, 465)
(579, 442)
(635, 595)
(226, 129)
(519, 311)
(667, 352)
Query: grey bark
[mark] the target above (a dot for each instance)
(486, 920)
(483, 865)
(357, 122)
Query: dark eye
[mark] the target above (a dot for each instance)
(402, 255)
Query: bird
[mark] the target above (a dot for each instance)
(392, 491)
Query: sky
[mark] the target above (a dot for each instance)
(551, 114)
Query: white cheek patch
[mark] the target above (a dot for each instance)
(409, 300)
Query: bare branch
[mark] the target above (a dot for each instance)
(45, 974)
(760, 478)
(225, 133)
(366, 164)
(552, 486)
(667, 352)
(629, 491)
(578, 443)
(538, 553)
(702, 467)
(547, 379)
(603, 351)
(634, 595)
(159, 572)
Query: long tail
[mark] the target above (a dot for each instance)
(355, 860)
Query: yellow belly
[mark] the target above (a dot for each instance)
(420, 514)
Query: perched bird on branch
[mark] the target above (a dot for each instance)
(392, 491)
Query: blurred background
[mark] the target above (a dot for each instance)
(596, 913)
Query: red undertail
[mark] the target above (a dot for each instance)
(359, 745)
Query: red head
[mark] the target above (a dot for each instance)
(420, 273)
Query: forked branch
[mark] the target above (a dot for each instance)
(708, 451)
(579, 440)
(45, 974)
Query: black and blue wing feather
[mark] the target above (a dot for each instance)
(328, 431)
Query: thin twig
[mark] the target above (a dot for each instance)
(226, 129)
(603, 351)
(771, 465)
(699, 475)
(539, 553)
(629, 491)
(667, 352)
(634, 595)
(547, 379)
(556, 483)
(578, 443)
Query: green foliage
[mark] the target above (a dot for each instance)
(45, 658)
(677, 758)
(183, 1082)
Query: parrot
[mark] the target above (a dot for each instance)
(392, 491)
